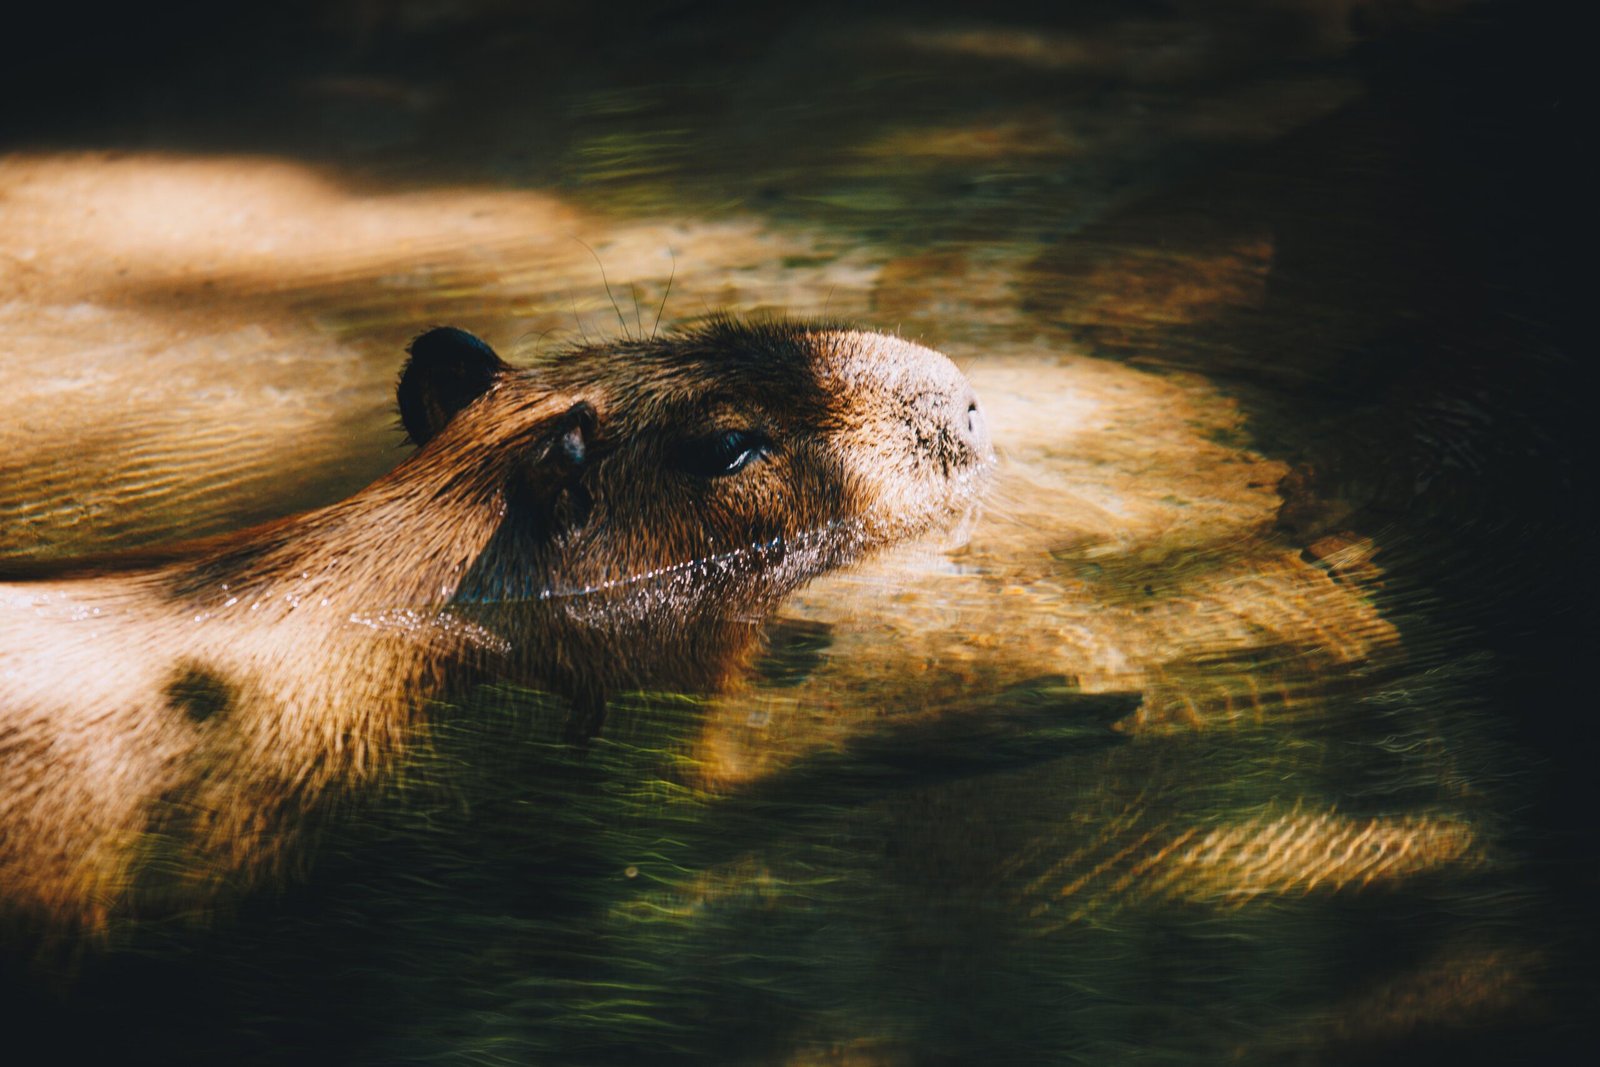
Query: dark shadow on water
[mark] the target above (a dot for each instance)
(991, 884)
(1412, 347)
(1392, 297)
(518, 898)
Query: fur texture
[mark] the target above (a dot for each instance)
(169, 721)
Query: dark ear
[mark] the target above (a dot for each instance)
(555, 476)
(573, 439)
(545, 500)
(448, 369)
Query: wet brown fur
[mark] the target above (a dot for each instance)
(170, 720)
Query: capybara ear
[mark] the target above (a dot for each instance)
(558, 473)
(575, 432)
(448, 369)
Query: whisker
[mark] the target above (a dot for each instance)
(607, 283)
(657, 324)
(576, 318)
(520, 344)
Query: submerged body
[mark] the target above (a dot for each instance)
(616, 517)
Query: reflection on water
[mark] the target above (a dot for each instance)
(1207, 742)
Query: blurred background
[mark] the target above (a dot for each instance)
(1249, 725)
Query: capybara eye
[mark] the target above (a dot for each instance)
(727, 452)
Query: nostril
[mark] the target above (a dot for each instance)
(969, 431)
(977, 427)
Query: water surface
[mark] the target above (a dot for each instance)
(1211, 741)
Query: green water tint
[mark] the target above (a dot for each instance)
(621, 902)
(1167, 765)
(916, 894)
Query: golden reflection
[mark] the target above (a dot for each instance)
(1168, 49)
(1457, 988)
(1134, 546)
(1295, 852)
(1165, 287)
(994, 137)
(97, 226)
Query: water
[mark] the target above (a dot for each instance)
(1243, 726)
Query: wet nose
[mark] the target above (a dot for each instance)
(971, 428)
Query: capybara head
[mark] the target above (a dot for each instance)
(695, 477)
